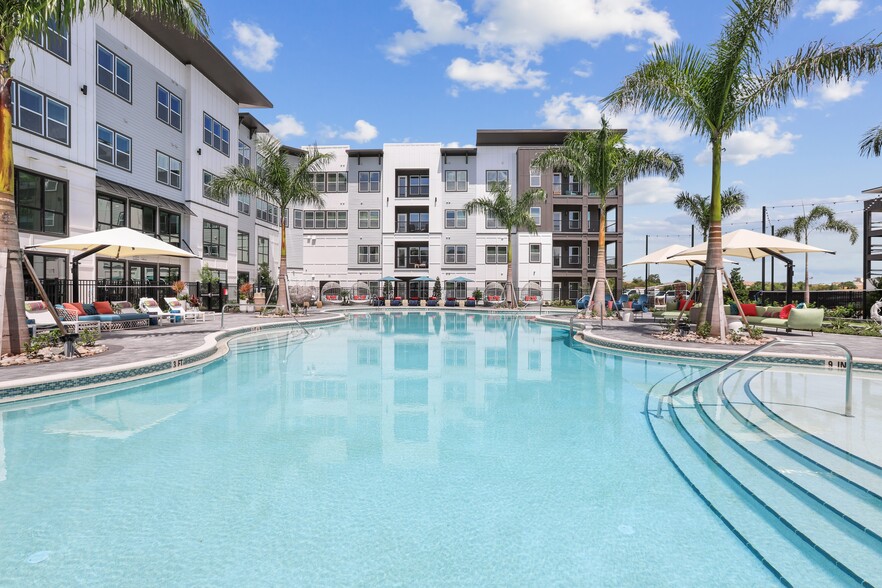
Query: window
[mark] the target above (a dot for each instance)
(555, 183)
(114, 148)
(491, 222)
(41, 203)
(455, 219)
(168, 170)
(414, 256)
(456, 181)
(170, 228)
(496, 177)
(244, 154)
(111, 270)
(207, 179)
(56, 40)
(368, 219)
(48, 267)
(298, 219)
(168, 107)
(262, 251)
(266, 211)
(214, 240)
(336, 219)
(111, 212)
(574, 255)
(575, 220)
(142, 218)
(557, 221)
(411, 186)
(215, 135)
(37, 113)
(369, 254)
(318, 182)
(496, 254)
(169, 274)
(114, 73)
(412, 222)
(455, 254)
(573, 290)
(337, 182)
(368, 181)
(244, 204)
(557, 257)
(566, 185)
(536, 214)
(535, 253)
(244, 253)
(535, 177)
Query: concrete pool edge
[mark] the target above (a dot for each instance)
(212, 347)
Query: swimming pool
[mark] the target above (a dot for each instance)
(396, 449)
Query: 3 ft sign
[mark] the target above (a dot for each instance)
(836, 363)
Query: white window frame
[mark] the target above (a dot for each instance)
(536, 214)
(535, 177)
(535, 253)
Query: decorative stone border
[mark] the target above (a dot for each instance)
(213, 346)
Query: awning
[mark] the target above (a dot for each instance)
(112, 188)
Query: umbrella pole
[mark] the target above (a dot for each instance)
(75, 269)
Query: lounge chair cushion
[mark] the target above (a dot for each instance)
(74, 309)
(749, 309)
(103, 307)
(684, 306)
(35, 306)
(785, 312)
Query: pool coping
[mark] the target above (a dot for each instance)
(590, 337)
(213, 346)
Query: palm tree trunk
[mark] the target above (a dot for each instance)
(510, 296)
(599, 305)
(14, 333)
(284, 299)
(709, 300)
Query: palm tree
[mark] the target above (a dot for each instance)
(871, 143)
(601, 159)
(512, 214)
(732, 200)
(819, 218)
(19, 20)
(276, 181)
(715, 92)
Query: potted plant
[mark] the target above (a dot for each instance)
(179, 288)
(246, 297)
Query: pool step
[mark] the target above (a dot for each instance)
(781, 550)
(855, 552)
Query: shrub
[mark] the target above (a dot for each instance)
(703, 330)
(755, 332)
(89, 337)
(42, 340)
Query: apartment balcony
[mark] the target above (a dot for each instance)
(412, 255)
(408, 227)
(411, 219)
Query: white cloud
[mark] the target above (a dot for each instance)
(584, 69)
(762, 139)
(509, 35)
(800, 103)
(497, 75)
(286, 126)
(567, 111)
(841, 90)
(842, 10)
(362, 133)
(651, 190)
(452, 145)
(255, 48)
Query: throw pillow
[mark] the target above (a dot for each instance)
(684, 306)
(771, 313)
(103, 307)
(89, 309)
(785, 312)
(749, 309)
(733, 308)
(80, 308)
(72, 308)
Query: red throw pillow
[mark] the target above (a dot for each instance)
(785, 312)
(748, 309)
(103, 307)
(72, 308)
(771, 313)
(80, 309)
(684, 306)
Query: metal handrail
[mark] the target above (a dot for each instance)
(848, 357)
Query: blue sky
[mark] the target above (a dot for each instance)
(366, 73)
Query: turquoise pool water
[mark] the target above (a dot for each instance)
(410, 450)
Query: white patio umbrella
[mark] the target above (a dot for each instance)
(664, 255)
(117, 243)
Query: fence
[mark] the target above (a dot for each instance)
(860, 299)
(213, 296)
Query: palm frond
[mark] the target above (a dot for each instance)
(843, 227)
(817, 62)
(646, 162)
(732, 199)
(871, 143)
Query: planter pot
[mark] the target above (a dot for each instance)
(462, 303)
(243, 307)
(422, 302)
(389, 303)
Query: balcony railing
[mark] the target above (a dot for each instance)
(408, 227)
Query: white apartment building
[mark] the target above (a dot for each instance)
(123, 122)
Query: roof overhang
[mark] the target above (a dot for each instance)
(112, 188)
(247, 120)
(295, 151)
(873, 191)
(526, 137)
(202, 54)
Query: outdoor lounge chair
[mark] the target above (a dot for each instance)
(396, 301)
(151, 307)
(38, 312)
(432, 301)
(180, 307)
(413, 302)
(641, 304)
(471, 302)
(876, 312)
(104, 313)
(450, 302)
